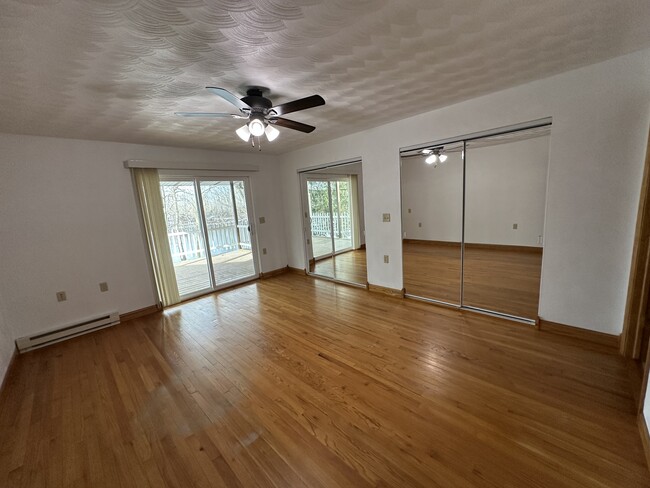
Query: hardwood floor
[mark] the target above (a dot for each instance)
(294, 381)
(349, 266)
(502, 280)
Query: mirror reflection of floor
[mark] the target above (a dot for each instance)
(499, 279)
(349, 266)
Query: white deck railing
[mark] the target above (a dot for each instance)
(320, 226)
(186, 241)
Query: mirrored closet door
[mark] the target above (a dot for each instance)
(473, 220)
(432, 209)
(333, 225)
(505, 197)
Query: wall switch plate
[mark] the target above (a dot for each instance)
(386, 259)
(419, 224)
(103, 286)
(386, 217)
(409, 210)
(61, 296)
(514, 226)
(262, 220)
(263, 250)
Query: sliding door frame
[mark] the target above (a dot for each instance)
(548, 121)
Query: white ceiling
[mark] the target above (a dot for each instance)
(116, 70)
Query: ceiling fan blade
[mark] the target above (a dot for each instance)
(296, 105)
(209, 115)
(292, 124)
(226, 95)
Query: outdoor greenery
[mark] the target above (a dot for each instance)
(180, 204)
(319, 203)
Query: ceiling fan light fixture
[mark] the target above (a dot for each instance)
(271, 133)
(256, 127)
(431, 159)
(443, 158)
(243, 133)
(426, 151)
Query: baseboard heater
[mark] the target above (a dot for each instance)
(43, 339)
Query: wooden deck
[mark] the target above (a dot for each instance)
(323, 245)
(193, 276)
(297, 382)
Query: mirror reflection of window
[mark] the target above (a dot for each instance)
(334, 223)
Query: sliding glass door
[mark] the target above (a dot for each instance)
(209, 231)
(185, 234)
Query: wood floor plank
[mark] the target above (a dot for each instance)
(293, 381)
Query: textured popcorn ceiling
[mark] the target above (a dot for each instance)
(116, 70)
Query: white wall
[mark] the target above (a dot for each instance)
(505, 185)
(69, 220)
(432, 199)
(600, 129)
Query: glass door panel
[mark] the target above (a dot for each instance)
(185, 234)
(227, 228)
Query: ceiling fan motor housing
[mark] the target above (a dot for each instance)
(257, 101)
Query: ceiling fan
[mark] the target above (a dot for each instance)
(262, 116)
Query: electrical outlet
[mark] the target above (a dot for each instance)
(263, 250)
(386, 259)
(262, 220)
(514, 226)
(308, 241)
(103, 286)
(61, 296)
(386, 217)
